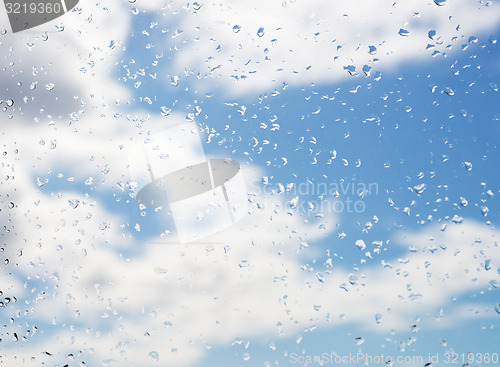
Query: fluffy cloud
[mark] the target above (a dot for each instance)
(256, 46)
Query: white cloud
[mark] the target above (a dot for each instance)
(180, 300)
(310, 41)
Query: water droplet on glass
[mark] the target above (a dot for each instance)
(197, 6)
(404, 32)
(463, 201)
(174, 80)
(497, 308)
(487, 264)
(165, 111)
(154, 355)
(449, 91)
(9, 103)
(378, 318)
(439, 2)
(11, 205)
(468, 166)
(49, 86)
(372, 50)
(420, 188)
(494, 87)
(484, 211)
(236, 28)
(359, 341)
(260, 32)
(361, 244)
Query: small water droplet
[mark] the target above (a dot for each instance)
(49, 86)
(420, 188)
(165, 111)
(403, 32)
(11, 205)
(361, 244)
(174, 80)
(197, 6)
(359, 341)
(497, 308)
(463, 201)
(74, 203)
(260, 32)
(154, 355)
(372, 50)
(449, 91)
(484, 211)
(439, 2)
(236, 28)
(378, 318)
(9, 103)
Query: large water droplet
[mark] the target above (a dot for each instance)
(236, 28)
(439, 2)
(260, 32)
(9, 103)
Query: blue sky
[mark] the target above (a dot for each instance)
(422, 120)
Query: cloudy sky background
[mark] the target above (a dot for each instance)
(324, 92)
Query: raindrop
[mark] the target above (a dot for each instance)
(165, 111)
(494, 87)
(372, 50)
(260, 32)
(432, 34)
(9, 103)
(439, 2)
(361, 244)
(404, 32)
(154, 355)
(359, 341)
(74, 203)
(468, 166)
(487, 264)
(11, 205)
(449, 91)
(420, 188)
(49, 86)
(197, 6)
(463, 201)
(174, 80)
(378, 318)
(497, 308)
(484, 211)
(236, 28)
